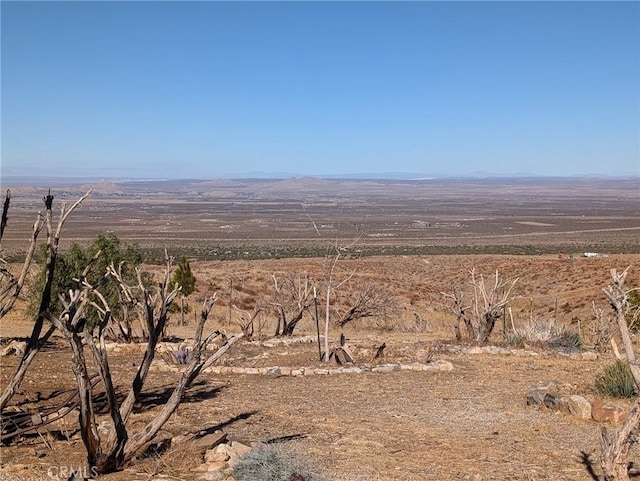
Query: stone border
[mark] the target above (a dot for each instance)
(439, 365)
(495, 350)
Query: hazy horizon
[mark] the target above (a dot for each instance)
(225, 89)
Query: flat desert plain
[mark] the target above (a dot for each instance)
(412, 240)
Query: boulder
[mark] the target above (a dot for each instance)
(604, 411)
(579, 406)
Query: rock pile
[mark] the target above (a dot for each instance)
(550, 396)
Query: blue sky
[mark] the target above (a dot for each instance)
(210, 89)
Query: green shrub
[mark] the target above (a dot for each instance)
(272, 463)
(616, 380)
(567, 340)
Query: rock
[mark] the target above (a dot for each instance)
(589, 356)
(211, 456)
(386, 368)
(535, 396)
(284, 371)
(321, 372)
(351, 370)
(218, 466)
(579, 406)
(14, 348)
(608, 412)
(210, 441)
(237, 450)
(475, 350)
(443, 365)
(432, 367)
(252, 370)
(552, 401)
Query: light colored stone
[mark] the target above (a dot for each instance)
(589, 356)
(237, 451)
(213, 475)
(351, 370)
(431, 367)
(475, 350)
(443, 365)
(223, 448)
(308, 372)
(285, 371)
(296, 372)
(386, 368)
(14, 348)
(251, 370)
(579, 406)
(217, 466)
(321, 372)
(212, 456)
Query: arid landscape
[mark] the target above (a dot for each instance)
(414, 241)
(266, 218)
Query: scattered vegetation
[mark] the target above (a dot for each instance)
(616, 381)
(548, 334)
(273, 463)
(70, 265)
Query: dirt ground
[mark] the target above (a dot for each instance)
(403, 425)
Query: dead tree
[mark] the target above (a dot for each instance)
(615, 446)
(10, 286)
(368, 302)
(480, 314)
(104, 456)
(331, 261)
(36, 341)
(246, 320)
(292, 297)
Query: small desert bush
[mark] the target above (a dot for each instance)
(616, 381)
(546, 333)
(273, 463)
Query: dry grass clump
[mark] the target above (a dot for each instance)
(273, 463)
(547, 333)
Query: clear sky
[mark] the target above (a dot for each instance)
(210, 89)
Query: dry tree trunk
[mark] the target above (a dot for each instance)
(36, 342)
(486, 307)
(10, 287)
(121, 446)
(615, 446)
